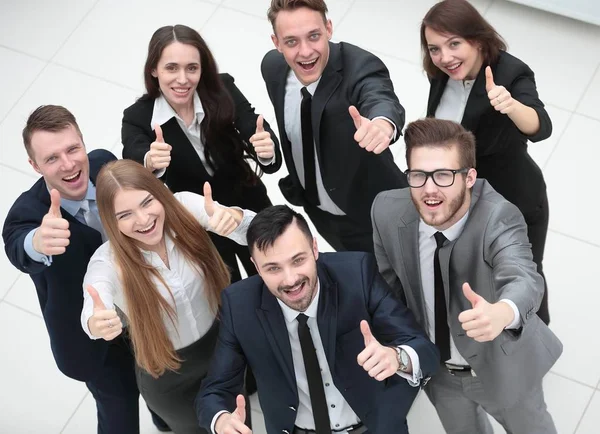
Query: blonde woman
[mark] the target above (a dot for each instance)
(161, 276)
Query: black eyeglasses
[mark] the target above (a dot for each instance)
(441, 177)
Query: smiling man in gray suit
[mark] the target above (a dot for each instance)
(457, 253)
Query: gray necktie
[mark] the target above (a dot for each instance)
(91, 218)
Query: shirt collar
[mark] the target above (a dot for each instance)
(311, 311)
(163, 111)
(292, 79)
(452, 233)
(168, 243)
(73, 206)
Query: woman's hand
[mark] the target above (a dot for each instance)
(262, 142)
(159, 156)
(500, 98)
(104, 323)
(223, 220)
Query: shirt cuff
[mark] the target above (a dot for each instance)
(214, 421)
(34, 254)
(158, 173)
(266, 161)
(393, 138)
(413, 379)
(239, 234)
(516, 322)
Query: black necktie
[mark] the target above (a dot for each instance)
(308, 149)
(442, 332)
(313, 375)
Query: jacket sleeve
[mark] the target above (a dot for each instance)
(245, 122)
(225, 377)
(20, 220)
(136, 138)
(392, 323)
(524, 90)
(373, 92)
(508, 252)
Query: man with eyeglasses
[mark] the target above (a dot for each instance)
(457, 253)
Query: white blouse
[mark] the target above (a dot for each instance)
(194, 317)
(454, 100)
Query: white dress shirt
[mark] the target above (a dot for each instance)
(427, 246)
(454, 100)
(293, 128)
(194, 317)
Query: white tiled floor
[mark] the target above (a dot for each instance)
(88, 55)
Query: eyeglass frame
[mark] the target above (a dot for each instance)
(430, 175)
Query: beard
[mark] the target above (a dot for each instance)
(309, 289)
(446, 213)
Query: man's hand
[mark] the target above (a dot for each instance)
(233, 423)
(262, 142)
(485, 321)
(104, 323)
(159, 156)
(379, 361)
(500, 98)
(223, 220)
(52, 237)
(374, 136)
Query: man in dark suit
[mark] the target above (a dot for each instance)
(50, 233)
(326, 340)
(337, 114)
(458, 253)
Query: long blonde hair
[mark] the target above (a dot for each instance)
(154, 352)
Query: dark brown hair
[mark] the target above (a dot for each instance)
(271, 223)
(460, 18)
(290, 5)
(52, 118)
(431, 132)
(153, 350)
(224, 148)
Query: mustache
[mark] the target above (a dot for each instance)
(297, 283)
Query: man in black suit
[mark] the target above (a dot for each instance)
(326, 340)
(337, 114)
(50, 233)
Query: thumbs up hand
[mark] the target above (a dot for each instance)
(52, 237)
(500, 98)
(104, 323)
(262, 142)
(233, 423)
(484, 321)
(159, 156)
(372, 135)
(379, 361)
(222, 220)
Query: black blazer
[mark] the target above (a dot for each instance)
(186, 171)
(60, 286)
(351, 175)
(502, 156)
(253, 332)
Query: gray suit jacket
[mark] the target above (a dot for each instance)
(493, 254)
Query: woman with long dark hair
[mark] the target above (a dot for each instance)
(194, 125)
(160, 275)
(476, 82)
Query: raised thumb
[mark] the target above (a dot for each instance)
(470, 295)
(209, 203)
(259, 124)
(366, 332)
(54, 203)
(356, 117)
(98, 304)
(240, 409)
(489, 79)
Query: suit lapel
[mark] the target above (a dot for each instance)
(273, 323)
(327, 314)
(436, 90)
(183, 152)
(408, 234)
(330, 80)
(476, 104)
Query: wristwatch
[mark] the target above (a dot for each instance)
(403, 359)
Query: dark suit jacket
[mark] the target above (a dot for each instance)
(351, 175)
(493, 254)
(186, 171)
(253, 332)
(59, 286)
(502, 156)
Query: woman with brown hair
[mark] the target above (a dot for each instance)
(159, 274)
(194, 125)
(475, 82)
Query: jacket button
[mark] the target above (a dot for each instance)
(291, 407)
(285, 431)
